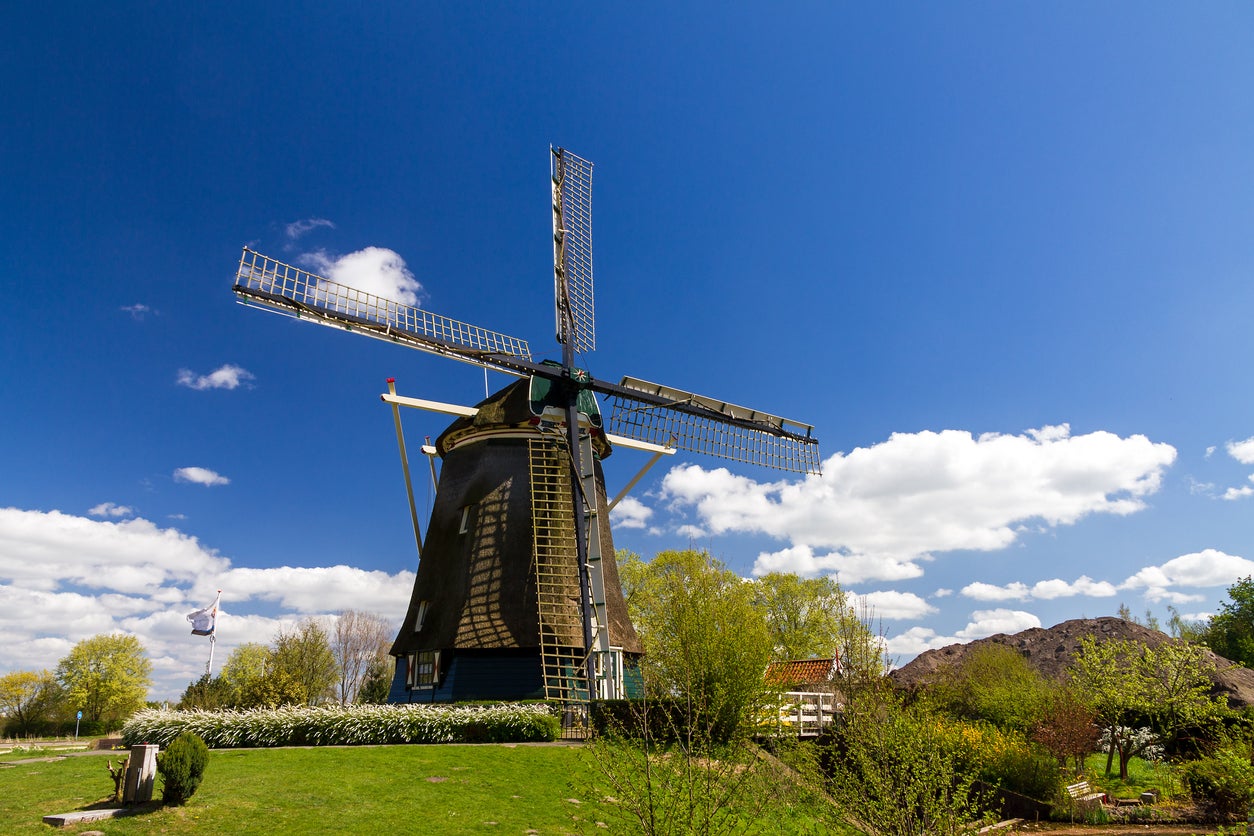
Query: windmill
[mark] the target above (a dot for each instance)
(512, 598)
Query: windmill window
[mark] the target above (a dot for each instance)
(423, 607)
(425, 669)
(464, 525)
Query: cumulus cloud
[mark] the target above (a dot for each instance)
(1207, 568)
(1041, 590)
(631, 513)
(137, 311)
(296, 229)
(983, 623)
(848, 568)
(897, 502)
(64, 578)
(1242, 451)
(891, 604)
(1240, 493)
(109, 509)
(374, 270)
(200, 476)
(225, 377)
(692, 532)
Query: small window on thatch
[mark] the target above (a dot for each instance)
(464, 525)
(423, 606)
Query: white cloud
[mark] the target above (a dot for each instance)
(109, 509)
(64, 578)
(988, 592)
(137, 311)
(916, 640)
(200, 476)
(1240, 493)
(986, 623)
(891, 604)
(631, 513)
(916, 494)
(225, 377)
(848, 568)
(375, 270)
(1207, 568)
(296, 229)
(1041, 590)
(692, 532)
(1242, 451)
(943, 592)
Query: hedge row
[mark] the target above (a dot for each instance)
(346, 725)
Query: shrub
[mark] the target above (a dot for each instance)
(182, 766)
(347, 725)
(1221, 783)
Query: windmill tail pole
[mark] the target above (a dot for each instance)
(409, 485)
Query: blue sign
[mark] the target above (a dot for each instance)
(80, 715)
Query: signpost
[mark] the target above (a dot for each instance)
(77, 720)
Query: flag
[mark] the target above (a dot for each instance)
(203, 620)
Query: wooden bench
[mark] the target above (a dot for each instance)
(1083, 792)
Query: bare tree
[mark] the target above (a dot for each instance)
(359, 639)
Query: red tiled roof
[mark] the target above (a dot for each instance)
(800, 671)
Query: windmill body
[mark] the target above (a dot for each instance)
(512, 598)
(494, 613)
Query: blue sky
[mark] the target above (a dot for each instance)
(998, 255)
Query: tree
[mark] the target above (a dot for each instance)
(209, 693)
(1130, 685)
(26, 700)
(377, 683)
(359, 639)
(995, 683)
(107, 676)
(1067, 729)
(706, 643)
(245, 667)
(303, 655)
(1230, 632)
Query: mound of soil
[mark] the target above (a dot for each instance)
(1051, 651)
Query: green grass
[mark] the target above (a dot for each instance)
(1142, 775)
(447, 789)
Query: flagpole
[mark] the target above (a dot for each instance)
(213, 640)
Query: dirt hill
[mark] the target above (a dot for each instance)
(1051, 650)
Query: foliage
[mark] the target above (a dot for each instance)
(1067, 728)
(1129, 684)
(246, 666)
(347, 725)
(1230, 632)
(303, 656)
(208, 693)
(182, 767)
(994, 683)
(897, 770)
(1000, 758)
(107, 676)
(706, 643)
(27, 699)
(1221, 782)
(377, 682)
(810, 618)
(358, 640)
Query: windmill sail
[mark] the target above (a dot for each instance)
(572, 251)
(266, 282)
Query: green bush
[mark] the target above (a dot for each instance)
(1220, 783)
(182, 766)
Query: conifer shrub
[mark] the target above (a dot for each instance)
(182, 766)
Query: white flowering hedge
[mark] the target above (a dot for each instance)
(347, 725)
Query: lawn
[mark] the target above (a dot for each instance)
(447, 789)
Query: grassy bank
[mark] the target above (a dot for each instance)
(448, 789)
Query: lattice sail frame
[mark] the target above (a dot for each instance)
(725, 430)
(572, 250)
(269, 283)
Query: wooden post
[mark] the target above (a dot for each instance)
(141, 772)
